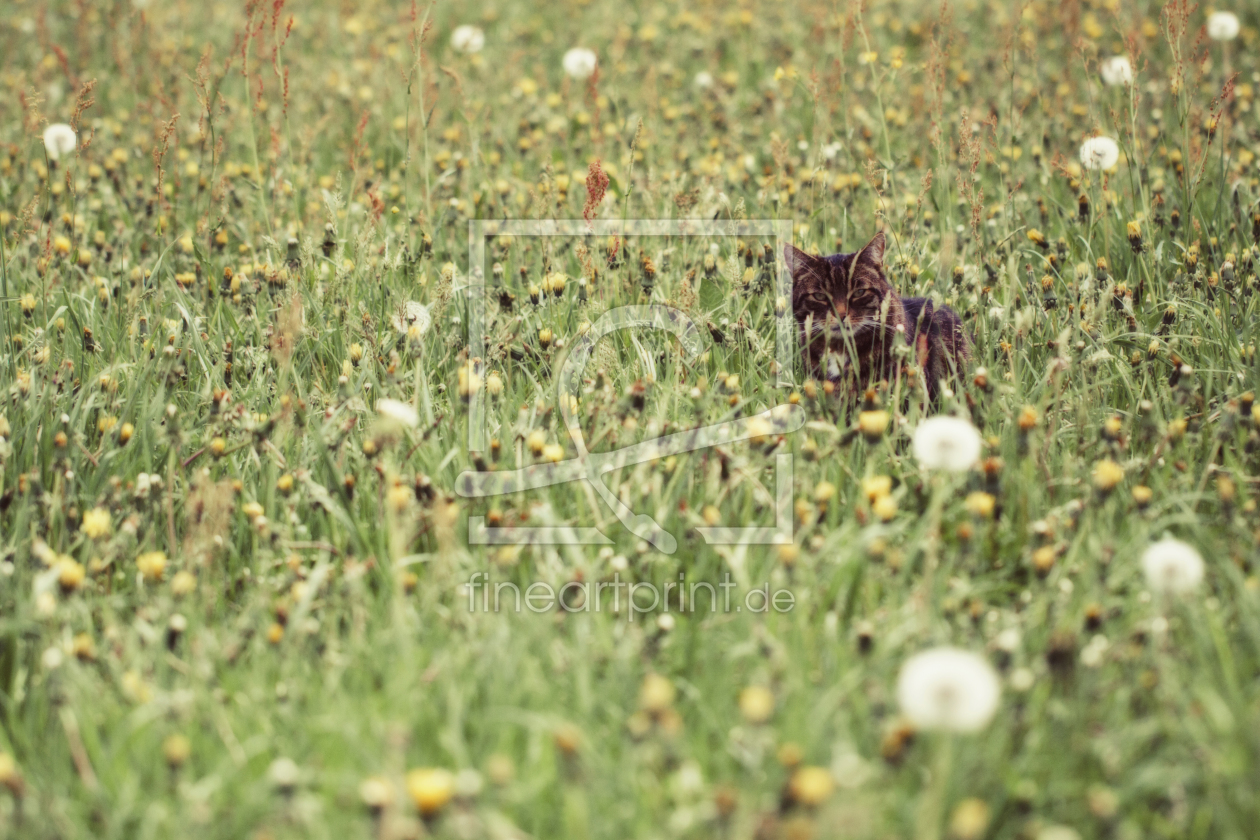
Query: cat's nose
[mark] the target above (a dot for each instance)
(842, 312)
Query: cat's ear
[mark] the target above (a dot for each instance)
(803, 266)
(873, 253)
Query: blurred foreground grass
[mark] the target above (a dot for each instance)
(231, 597)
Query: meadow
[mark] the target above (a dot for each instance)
(239, 592)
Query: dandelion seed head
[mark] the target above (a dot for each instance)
(413, 315)
(468, 39)
(52, 658)
(468, 783)
(1172, 566)
(579, 63)
(1223, 26)
(1008, 640)
(59, 139)
(1022, 679)
(397, 412)
(1058, 832)
(948, 689)
(1099, 153)
(946, 443)
(284, 773)
(1117, 70)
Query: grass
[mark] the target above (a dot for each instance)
(232, 600)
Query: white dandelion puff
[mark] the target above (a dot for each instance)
(468, 39)
(948, 689)
(284, 773)
(946, 443)
(398, 412)
(1223, 26)
(1172, 566)
(1093, 654)
(1117, 70)
(704, 79)
(59, 139)
(52, 658)
(1022, 679)
(468, 783)
(1058, 832)
(413, 314)
(1099, 153)
(1008, 640)
(579, 63)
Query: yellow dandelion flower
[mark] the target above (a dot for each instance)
(183, 583)
(176, 749)
(873, 424)
(980, 504)
(399, 498)
(152, 565)
(875, 487)
(70, 574)
(1107, 474)
(756, 704)
(885, 508)
(811, 786)
(657, 693)
(430, 788)
(97, 523)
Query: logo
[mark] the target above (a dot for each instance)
(592, 467)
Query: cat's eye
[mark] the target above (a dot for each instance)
(819, 299)
(863, 297)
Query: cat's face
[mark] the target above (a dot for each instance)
(843, 302)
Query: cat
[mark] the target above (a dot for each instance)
(847, 310)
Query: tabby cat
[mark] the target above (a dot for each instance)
(849, 315)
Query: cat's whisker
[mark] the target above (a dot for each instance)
(850, 328)
(863, 326)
